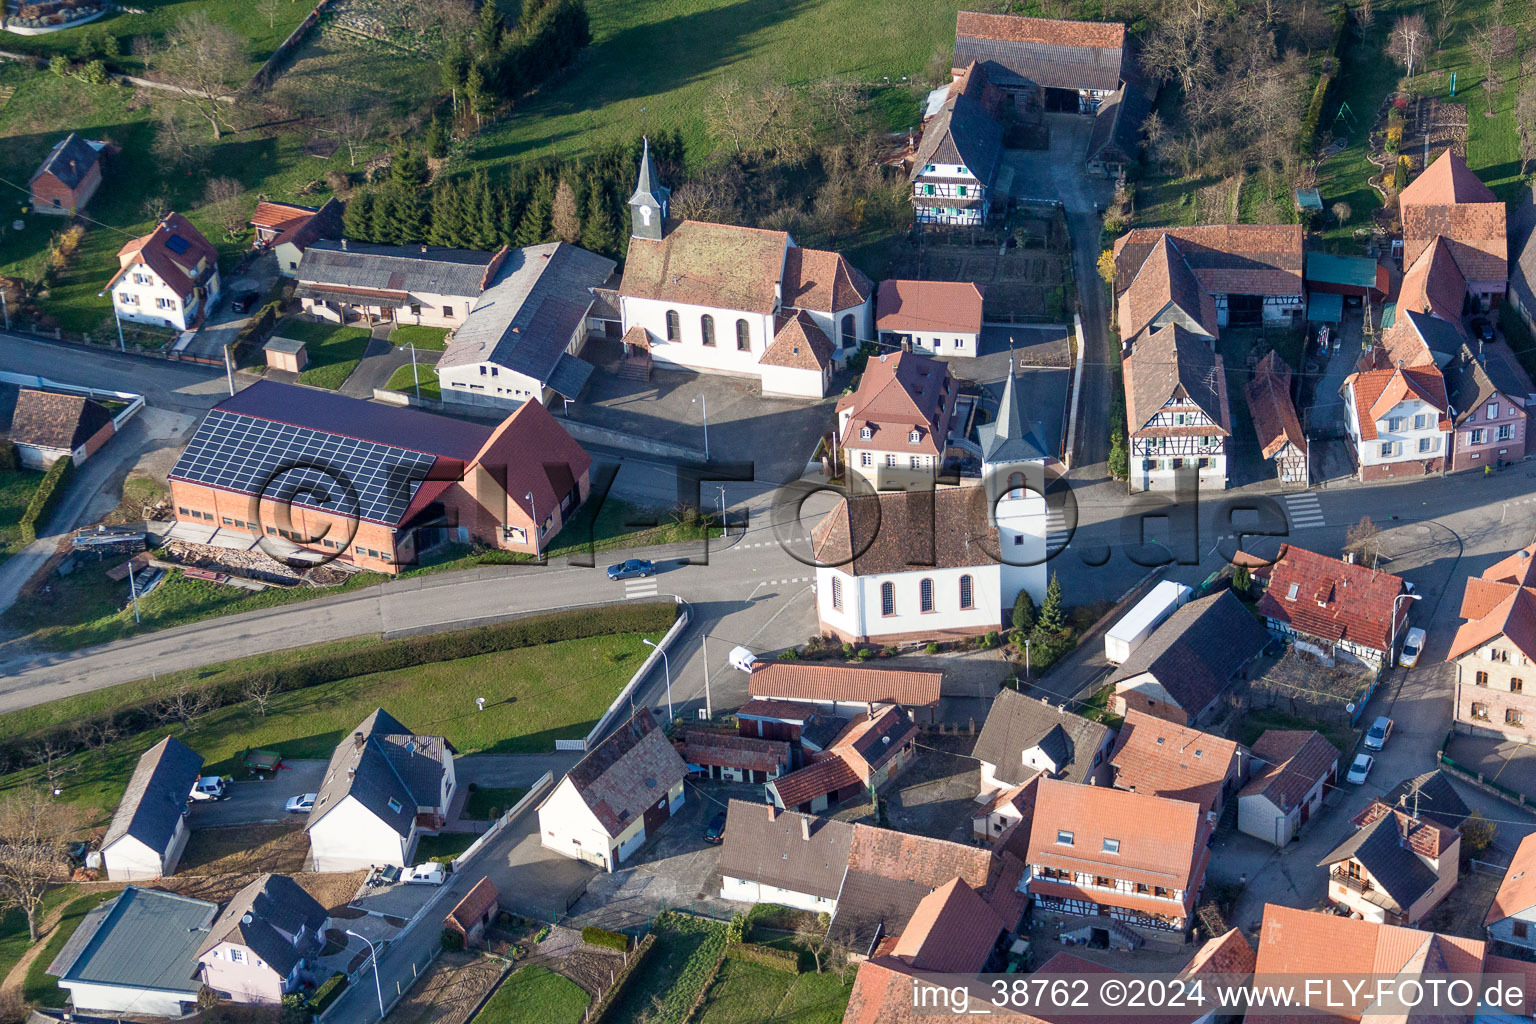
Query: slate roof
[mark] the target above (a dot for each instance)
(1174, 365)
(1296, 760)
(1269, 404)
(627, 772)
(142, 938)
(800, 681)
(1048, 53)
(798, 343)
(525, 320)
(1431, 797)
(416, 269)
(1016, 723)
(897, 394)
(728, 750)
(701, 264)
(47, 419)
(963, 132)
(1195, 654)
(156, 796)
(69, 161)
(766, 845)
(1228, 259)
(929, 306)
(1157, 757)
(379, 762)
(1116, 134)
(258, 915)
(1385, 853)
(1517, 892)
(823, 281)
(907, 531)
(1004, 440)
(1334, 600)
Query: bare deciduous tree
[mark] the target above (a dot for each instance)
(1485, 49)
(95, 734)
(270, 9)
(355, 124)
(208, 60)
(223, 195)
(727, 117)
(34, 849)
(1341, 213)
(1445, 19)
(1525, 120)
(1364, 541)
(52, 759)
(1367, 12)
(184, 705)
(1406, 44)
(259, 690)
(563, 217)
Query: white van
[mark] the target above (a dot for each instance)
(742, 659)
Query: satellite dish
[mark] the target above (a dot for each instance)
(1350, 708)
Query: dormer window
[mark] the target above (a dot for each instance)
(867, 433)
(1111, 846)
(1063, 837)
(915, 436)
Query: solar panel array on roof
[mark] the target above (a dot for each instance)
(304, 467)
(177, 244)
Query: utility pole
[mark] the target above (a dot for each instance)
(133, 589)
(5, 309)
(709, 711)
(229, 367)
(414, 377)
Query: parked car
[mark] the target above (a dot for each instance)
(244, 302)
(1361, 767)
(1413, 645)
(1482, 328)
(300, 804)
(715, 832)
(1376, 735)
(209, 787)
(635, 568)
(743, 659)
(424, 874)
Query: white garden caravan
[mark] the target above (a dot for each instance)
(1138, 623)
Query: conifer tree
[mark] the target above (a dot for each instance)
(564, 219)
(1053, 615)
(534, 227)
(357, 218)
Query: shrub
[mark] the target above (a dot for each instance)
(1024, 612)
(767, 956)
(849, 652)
(592, 935)
(47, 495)
(990, 640)
(452, 940)
(864, 654)
(932, 647)
(541, 935)
(790, 654)
(329, 991)
(737, 929)
(9, 460)
(255, 331)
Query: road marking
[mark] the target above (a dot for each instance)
(1304, 511)
(639, 588)
(1056, 533)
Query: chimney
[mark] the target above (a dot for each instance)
(423, 249)
(343, 245)
(805, 827)
(357, 741)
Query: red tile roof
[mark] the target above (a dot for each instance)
(929, 862)
(728, 750)
(178, 270)
(823, 281)
(1164, 278)
(1332, 599)
(789, 710)
(1448, 201)
(1161, 841)
(929, 306)
(628, 772)
(1424, 836)
(280, 216)
(1296, 759)
(798, 343)
(468, 911)
(1377, 392)
(1228, 259)
(817, 779)
(1158, 758)
(898, 394)
(1501, 602)
(721, 266)
(800, 681)
(953, 931)
(1517, 892)
(1273, 412)
(907, 531)
(1224, 954)
(1101, 35)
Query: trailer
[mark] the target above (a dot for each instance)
(1138, 623)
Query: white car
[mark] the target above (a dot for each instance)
(424, 874)
(1360, 769)
(1413, 646)
(300, 804)
(208, 787)
(1376, 736)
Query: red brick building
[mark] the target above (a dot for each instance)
(311, 474)
(69, 175)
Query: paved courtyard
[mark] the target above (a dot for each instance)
(251, 803)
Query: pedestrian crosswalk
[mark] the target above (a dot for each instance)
(1304, 511)
(1057, 532)
(639, 588)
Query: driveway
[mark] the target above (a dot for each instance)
(223, 324)
(533, 881)
(254, 803)
(503, 770)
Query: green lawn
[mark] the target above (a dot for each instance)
(428, 339)
(747, 993)
(485, 803)
(443, 848)
(405, 379)
(679, 966)
(14, 941)
(39, 986)
(691, 46)
(333, 351)
(535, 995)
(16, 487)
(1257, 721)
(533, 697)
(619, 524)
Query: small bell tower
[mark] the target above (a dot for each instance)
(648, 206)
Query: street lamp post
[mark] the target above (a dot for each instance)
(133, 588)
(1392, 647)
(121, 345)
(704, 405)
(374, 955)
(415, 378)
(667, 664)
(536, 531)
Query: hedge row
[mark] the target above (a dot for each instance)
(256, 329)
(329, 991)
(610, 998)
(49, 490)
(767, 956)
(1307, 141)
(592, 935)
(389, 655)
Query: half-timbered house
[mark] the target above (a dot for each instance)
(1176, 410)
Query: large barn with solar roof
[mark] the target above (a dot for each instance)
(311, 476)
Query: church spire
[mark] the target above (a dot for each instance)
(1010, 422)
(648, 206)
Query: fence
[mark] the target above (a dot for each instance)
(534, 792)
(657, 653)
(27, 380)
(262, 79)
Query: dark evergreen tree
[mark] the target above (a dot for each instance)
(598, 228)
(357, 218)
(437, 139)
(534, 227)
(448, 213)
(1053, 614)
(488, 34)
(406, 222)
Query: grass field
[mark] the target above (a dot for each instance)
(679, 966)
(533, 697)
(334, 351)
(535, 995)
(394, 81)
(747, 993)
(16, 488)
(405, 379)
(39, 986)
(445, 847)
(487, 802)
(690, 46)
(14, 941)
(427, 339)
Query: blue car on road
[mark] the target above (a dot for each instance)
(635, 568)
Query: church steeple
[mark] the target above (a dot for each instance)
(648, 206)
